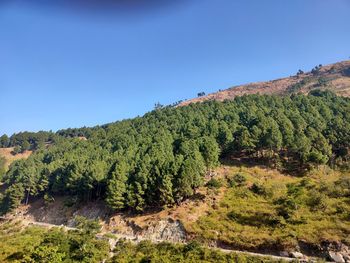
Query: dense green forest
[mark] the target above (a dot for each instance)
(161, 158)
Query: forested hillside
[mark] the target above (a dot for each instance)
(162, 158)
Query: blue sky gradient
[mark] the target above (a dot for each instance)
(70, 67)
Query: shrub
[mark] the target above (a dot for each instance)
(346, 72)
(237, 180)
(307, 183)
(340, 188)
(317, 157)
(317, 201)
(17, 149)
(286, 207)
(192, 246)
(232, 215)
(258, 189)
(48, 199)
(300, 72)
(213, 184)
(70, 201)
(343, 186)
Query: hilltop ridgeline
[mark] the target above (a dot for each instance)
(335, 77)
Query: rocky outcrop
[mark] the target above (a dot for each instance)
(164, 230)
(337, 252)
(284, 254)
(336, 257)
(91, 210)
(297, 255)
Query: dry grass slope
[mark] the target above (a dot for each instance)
(335, 77)
(9, 157)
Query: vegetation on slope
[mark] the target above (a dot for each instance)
(24, 141)
(2, 167)
(8, 156)
(126, 252)
(27, 141)
(263, 209)
(40, 245)
(162, 157)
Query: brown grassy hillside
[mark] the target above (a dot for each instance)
(10, 157)
(335, 77)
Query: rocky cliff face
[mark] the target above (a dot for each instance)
(335, 77)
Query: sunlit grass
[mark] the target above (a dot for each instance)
(249, 220)
(14, 240)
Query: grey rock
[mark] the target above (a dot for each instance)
(346, 257)
(284, 254)
(296, 254)
(165, 230)
(112, 244)
(336, 257)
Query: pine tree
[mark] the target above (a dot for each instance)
(4, 141)
(116, 186)
(13, 197)
(210, 151)
(166, 190)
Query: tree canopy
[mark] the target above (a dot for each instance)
(161, 158)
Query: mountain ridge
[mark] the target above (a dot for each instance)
(335, 77)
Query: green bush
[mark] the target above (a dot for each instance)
(17, 149)
(258, 189)
(70, 201)
(237, 180)
(286, 207)
(317, 201)
(48, 199)
(213, 183)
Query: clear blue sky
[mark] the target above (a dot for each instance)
(69, 66)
